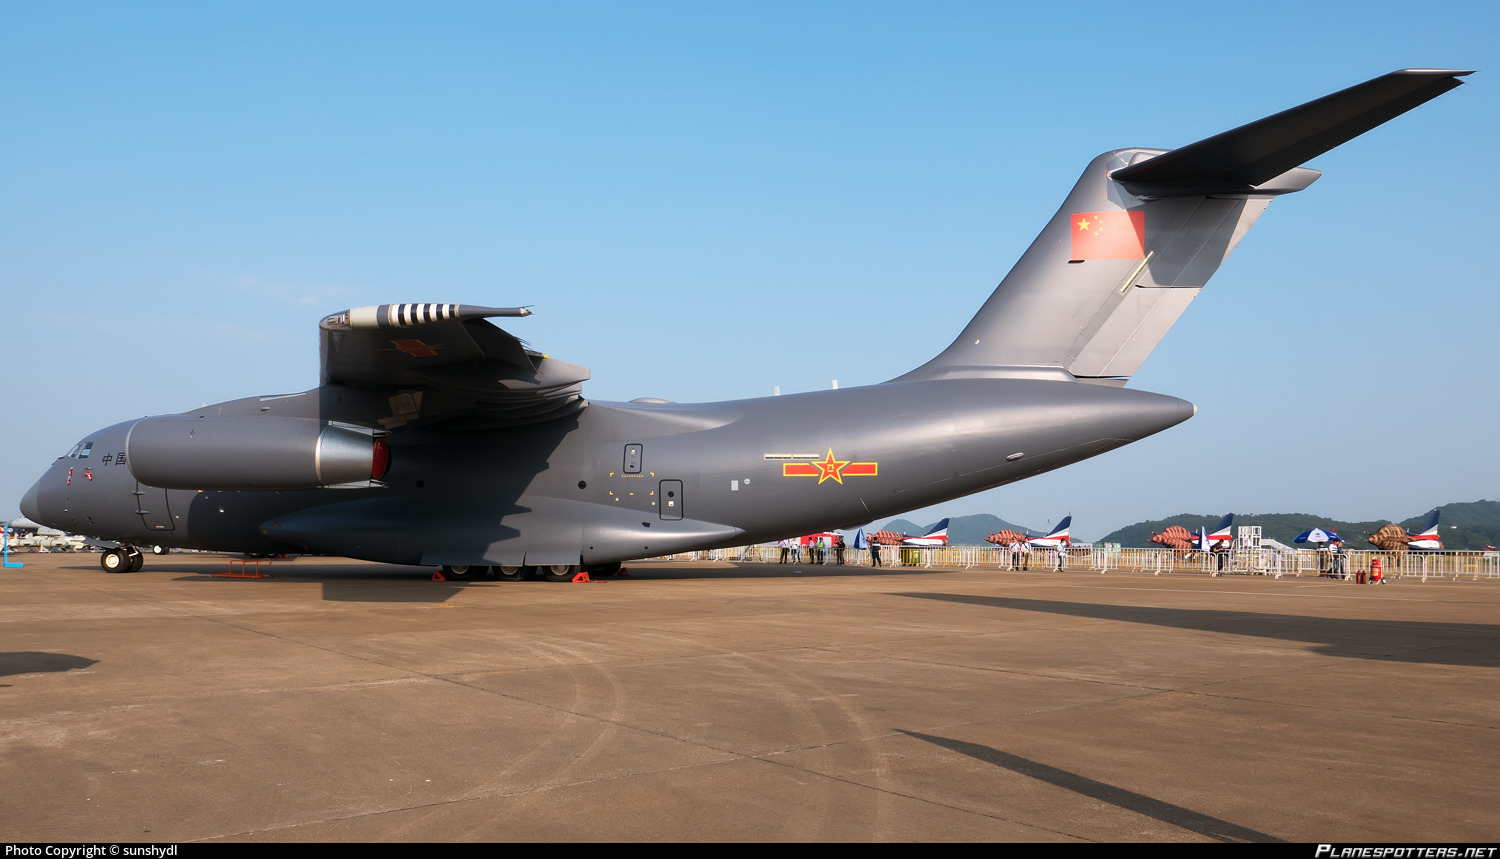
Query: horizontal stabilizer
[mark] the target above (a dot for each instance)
(1256, 153)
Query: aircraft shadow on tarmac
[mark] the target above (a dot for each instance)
(1175, 815)
(754, 570)
(392, 584)
(398, 584)
(1471, 644)
(37, 662)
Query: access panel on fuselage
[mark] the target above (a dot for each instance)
(151, 503)
(669, 495)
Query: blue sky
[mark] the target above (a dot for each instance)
(703, 201)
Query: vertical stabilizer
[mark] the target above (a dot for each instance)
(1142, 232)
(1428, 538)
(1221, 532)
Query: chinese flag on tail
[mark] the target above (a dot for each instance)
(1109, 235)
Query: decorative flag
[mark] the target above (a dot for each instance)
(1108, 235)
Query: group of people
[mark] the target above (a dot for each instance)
(817, 550)
(1020, 555)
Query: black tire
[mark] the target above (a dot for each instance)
(115, 561)
(159, 550)
(462, 572)
(510, 572)
(602, 571)
(559, 572)
(137, 560)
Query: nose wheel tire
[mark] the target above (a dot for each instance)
(510, 572)
(125, 559)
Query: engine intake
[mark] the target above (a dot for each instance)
(186, 452)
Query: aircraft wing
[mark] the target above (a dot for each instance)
(445, 362)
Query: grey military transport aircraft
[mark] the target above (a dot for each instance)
(437, 438)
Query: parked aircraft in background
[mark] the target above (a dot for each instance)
(26, 534)
(1056, 537)
(1221, 532)
(1183, 540)
(1428, 538)
(937, 535)
(437, 438)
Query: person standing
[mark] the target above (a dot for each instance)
(786, 549)
(1015, 554)
(1062, 557)
(874, 553)
(838, 549)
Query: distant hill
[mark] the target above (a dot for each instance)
(1465, 525)
(962, 530)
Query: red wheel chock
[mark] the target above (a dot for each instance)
(243, 572)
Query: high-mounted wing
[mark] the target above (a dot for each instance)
(443, 362)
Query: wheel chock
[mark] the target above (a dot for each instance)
(244, 572)
(437, 575)
(582, 578)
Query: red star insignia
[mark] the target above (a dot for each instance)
(831, 469)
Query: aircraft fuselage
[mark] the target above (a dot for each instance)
(619, 481)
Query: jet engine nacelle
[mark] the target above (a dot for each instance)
(188, 452)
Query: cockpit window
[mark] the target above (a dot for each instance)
(73, 454)
(83, 453)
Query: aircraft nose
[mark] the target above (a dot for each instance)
(29, 506)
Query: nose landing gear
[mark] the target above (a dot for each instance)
(125, 559)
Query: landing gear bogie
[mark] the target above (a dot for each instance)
(463, 572)
(512, 572)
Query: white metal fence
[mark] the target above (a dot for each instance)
(1419, 566)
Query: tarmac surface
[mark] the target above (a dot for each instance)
(344, 701)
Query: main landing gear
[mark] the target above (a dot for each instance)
(125, 559)
(515, 573)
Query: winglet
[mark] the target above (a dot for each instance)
(1243, 158)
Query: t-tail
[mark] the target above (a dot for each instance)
(1428, 538)
(1142, 232)
(1057, 536)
